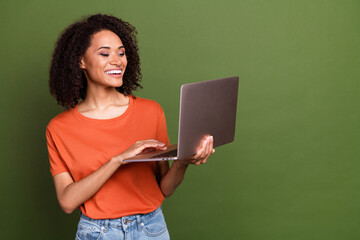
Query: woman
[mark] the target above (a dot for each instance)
(94, 70)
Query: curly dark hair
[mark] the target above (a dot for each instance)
(67, 80)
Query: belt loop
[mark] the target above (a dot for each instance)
(106, 225)
(140, 224)
(138, 219)
(123, 224)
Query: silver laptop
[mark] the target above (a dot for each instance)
(206, 108)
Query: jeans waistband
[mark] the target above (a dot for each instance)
(128, 221)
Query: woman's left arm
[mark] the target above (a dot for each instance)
(171, 177)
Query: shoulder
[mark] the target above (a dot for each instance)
(65, 118)
(144, 104)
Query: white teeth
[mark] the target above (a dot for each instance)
(114, 72)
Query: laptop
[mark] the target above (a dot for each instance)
(206, 108)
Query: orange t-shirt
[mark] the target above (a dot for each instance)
(80, 145)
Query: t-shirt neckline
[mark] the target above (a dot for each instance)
(109, 120)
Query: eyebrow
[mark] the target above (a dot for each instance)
(106, 47)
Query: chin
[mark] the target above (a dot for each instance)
(116, 84)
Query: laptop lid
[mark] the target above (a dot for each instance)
(207, 108)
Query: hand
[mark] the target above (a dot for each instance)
(202, 154)
(138, 147)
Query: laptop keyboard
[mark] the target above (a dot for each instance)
(172, 153)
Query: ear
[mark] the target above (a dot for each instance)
(82, 63)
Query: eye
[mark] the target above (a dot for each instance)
(104, 54)
(122, 54)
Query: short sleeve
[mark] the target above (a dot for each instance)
(57, 165)
(161, 130)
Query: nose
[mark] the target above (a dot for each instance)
(116, 60)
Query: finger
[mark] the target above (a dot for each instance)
(151, 149)
(206, 148)
(203, 161)
(212, 144)
(209, 145)
(209, 149)
(196, 162)
(155, 142)
(203, 144)
(147, 145)
(206, 158)
(200, 146)
(198, 153)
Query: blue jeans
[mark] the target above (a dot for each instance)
(140, 226)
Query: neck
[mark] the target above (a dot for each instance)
(102, 98)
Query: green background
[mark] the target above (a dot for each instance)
(293, 170)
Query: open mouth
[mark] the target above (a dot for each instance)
(114, 72)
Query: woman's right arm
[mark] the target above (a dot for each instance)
(72, 194)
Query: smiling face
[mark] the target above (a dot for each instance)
(104, 62)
